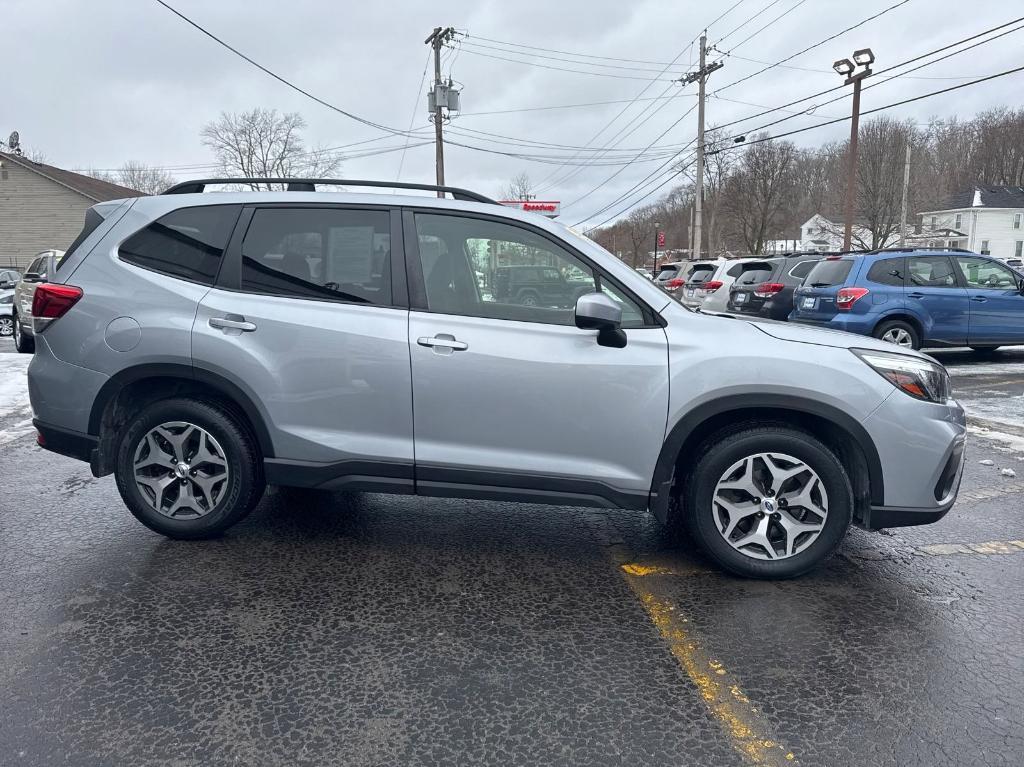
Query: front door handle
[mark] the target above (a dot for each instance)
(979, 299)
(443, 341)
(232, 322)
(915, 295)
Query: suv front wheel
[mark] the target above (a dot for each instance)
(768, 501)
(186, 469)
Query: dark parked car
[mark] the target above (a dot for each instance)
(536, 286)
(765, 288)
(916, 298)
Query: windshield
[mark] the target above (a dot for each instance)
(827, 273)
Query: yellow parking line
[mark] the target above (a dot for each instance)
(987, 547)
(720, 692)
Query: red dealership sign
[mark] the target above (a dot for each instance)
(549, 208)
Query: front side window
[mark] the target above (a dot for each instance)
(931, 272)
(188, 243)
(981, 273)
(483, 268)
(320, 253)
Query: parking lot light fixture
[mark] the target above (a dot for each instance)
(844, 67)
(864, 56)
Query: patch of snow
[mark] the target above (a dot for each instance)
(14, 384)
(987, 462)
(977, 199)
(1014, 442)
(1008, 472)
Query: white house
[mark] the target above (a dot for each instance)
(988, 220)
(821, 234)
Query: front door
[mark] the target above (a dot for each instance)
(515, 400)
(934, 295)
(997, 306)
(305, 319)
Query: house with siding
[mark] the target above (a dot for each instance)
(988, 220)
(43, 207)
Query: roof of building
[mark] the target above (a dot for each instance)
(87, 186)
(986, 197)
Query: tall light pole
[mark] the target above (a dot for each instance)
(864, 58)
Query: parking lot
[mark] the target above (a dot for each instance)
(368, 629)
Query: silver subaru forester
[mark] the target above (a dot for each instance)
(199, 346)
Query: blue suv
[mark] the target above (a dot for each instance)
(916, 298)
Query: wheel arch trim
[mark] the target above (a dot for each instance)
(235, 391)
(692, 420)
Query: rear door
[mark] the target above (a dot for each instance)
(934, 294)
(310, 318)
(996, 304)
(512, 399)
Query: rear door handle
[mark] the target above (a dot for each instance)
(915, 295)
(979, 299)
(443, 341)
(232, 322)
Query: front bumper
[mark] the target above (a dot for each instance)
(921, 446)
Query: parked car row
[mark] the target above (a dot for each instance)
(38, 271)
(909, 297)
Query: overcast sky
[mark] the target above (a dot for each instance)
(95, 84)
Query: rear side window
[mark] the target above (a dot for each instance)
(931, 272)
(325, 253)
(825, 274)
(802, 269)
(92, 220)
(888, 271)
(188, 243)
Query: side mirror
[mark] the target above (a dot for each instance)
(7, 285)
(1020, 287)
(31, 277)
(595, 311)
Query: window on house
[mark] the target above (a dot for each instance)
(958, 221)
(1016, 220)
(1018, 251)
(934, 220)
(984, 248)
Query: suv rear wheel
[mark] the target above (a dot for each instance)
(898, 332)
(186, 469)
(23, 343)
(768, 501)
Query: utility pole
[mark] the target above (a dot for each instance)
(700, 76)
(437, 38)
(903, 202)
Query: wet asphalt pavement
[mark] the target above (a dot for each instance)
(374, 630)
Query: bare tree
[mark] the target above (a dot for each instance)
(262, 143)
(519, 188)
(143, 178)
(640, 230)
(880, 157)
(756, 192)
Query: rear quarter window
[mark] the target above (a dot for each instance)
(827, 273)
(888, 271)
(802, 269)
(92, 220)
(188, 243)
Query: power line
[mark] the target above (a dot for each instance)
(617, 67)
(838, 120)
(732, 55)
(812, 47)
(278, 77)
(548, 66)
(746, 21)
(412, 117)
(773, 21)
(569, 106)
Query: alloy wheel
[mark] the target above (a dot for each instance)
(898, 336)
(16, 331)
(770, 506)
(180, 470)
(6, 326)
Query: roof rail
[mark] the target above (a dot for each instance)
(936, 248)
(309, 185)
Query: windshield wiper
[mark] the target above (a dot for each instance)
(821, 284)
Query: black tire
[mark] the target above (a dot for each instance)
(23, 343)
(730, 445)
(984, 348)
(896, 325)
(245, 483)
(529, 298)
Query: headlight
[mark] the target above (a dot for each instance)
(921, 379)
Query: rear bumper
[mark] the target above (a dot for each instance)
(850, 323)
(73, 444)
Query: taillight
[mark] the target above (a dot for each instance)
(52, 301)
(712, 286)
(675, 282)
(768, 289)
(847, 297)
